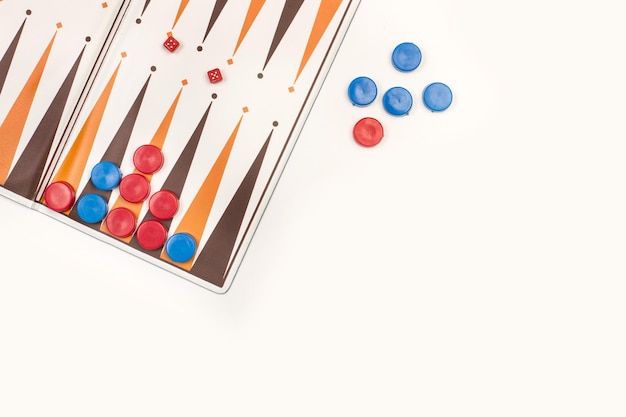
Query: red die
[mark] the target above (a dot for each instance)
(171, 44)
(215, 75)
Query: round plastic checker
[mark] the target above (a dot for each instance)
(60, 196)
(106, 176)
(362, 91)
(180, 247)
(437, 97)
(92, 208)
(151, 235)
(163, 205)
(406, 57)
(398, 101)
(121, 222)
(148, 159)
(134, 188)
(368, 132)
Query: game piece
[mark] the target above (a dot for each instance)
(92, 208)
(362, 91)
(398, 101)
(171, 44)
(437, 97)
(134, 188)
(368, 132)
(406, 57)
(163, 205)
(180, 247)
(151, 235)
(121, 222)
(215, 75)
(148, 159)
(106, 176)
(60, 196)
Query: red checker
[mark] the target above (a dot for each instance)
(134, 188)
(151, 235)
(163, 205)
(148, 159)
(171, 44)
(368, 132)
(121, 222)
(215, 75)
(60, 196)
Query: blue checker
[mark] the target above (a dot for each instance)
(92, 208)
(106, 176)
(362, 91)
(398, 101)
(181, 247)
(406, 57)
(437, 97)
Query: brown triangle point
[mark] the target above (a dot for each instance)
(7, 58)
(214, 260)
(177, 177)
(217, 10)
(24, 178)
(286, 18)
(116, 150)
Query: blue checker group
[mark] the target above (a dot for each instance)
(398, 100)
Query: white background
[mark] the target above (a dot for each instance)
(471, 264)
